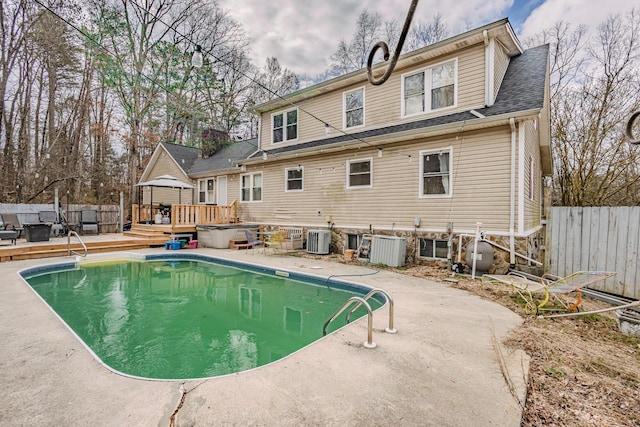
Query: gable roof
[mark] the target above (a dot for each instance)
(224, 159)
(184, 156)
(501, 30)
(522, 91)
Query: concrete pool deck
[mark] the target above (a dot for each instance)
(444, 367)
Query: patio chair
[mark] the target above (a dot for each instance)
(10, 222)
(51, 217)
(89, 221)
(252, 240)
(275, 241)
(551, 286)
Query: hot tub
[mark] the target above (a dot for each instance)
(218, 236)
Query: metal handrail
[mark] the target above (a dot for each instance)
(372, 292)
(69, 251)
(369, 342)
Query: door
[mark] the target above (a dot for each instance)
(222, 191)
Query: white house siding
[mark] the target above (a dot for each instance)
(165, 165)
(481, 183)
(532, 207)
(382, 103)
(501, 61)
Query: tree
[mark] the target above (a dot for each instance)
(370, 28)
(593, 92)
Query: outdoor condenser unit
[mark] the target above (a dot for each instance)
(318, 241)
(388, 250)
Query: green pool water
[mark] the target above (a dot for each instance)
(179, 319)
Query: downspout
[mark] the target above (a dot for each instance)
(512, 197)
(485, 36)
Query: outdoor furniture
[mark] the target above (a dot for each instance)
(9, 235)
(551, 286)
(252, 240)
(89, 221)
(37, 232)
(293, 238)
(10, 222)
(51, 217)
(275, 240)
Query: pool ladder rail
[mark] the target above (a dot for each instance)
(362, 301)
(69, 251)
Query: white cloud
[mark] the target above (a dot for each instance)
(576, 12)
(303, 35)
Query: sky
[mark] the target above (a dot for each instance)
(303, 35)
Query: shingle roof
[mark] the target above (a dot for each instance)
(225, 158)
(522, 89)
(183, 155)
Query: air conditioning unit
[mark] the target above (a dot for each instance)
(388, 250)
(318, 241)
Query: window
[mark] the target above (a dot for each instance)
(294, 179)
(354, 108)
(285, 126)
(432, 248)
(430, 89)
(353, 241)
(532, 178)
(251, 190)
(206, 192)
(435, 173)
(359, 173)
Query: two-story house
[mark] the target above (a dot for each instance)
(458, 135)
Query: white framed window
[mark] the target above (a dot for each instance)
(433, 248)
(294, 179)
(284, 126)
(206, 191)
(532, 178)
(359, 173)
(436, 173)
(430, 89)
(353, 103)
(251, 187)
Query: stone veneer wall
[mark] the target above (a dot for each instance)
(530, 246)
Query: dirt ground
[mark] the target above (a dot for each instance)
(583, 370)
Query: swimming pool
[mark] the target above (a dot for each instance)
(189, 316)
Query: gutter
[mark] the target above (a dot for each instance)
(512, 196)
(379, 141)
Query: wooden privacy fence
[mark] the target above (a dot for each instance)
(597, 239)
(108, 215)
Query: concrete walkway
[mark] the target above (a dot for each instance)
(445, 367)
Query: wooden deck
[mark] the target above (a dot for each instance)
(57, 246)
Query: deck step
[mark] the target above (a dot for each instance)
(48, 251)
(240, 244)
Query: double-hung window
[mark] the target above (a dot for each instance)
(285, 126)
(206, 192)
(429, 89)
(359, 173)
(251, 190)
(293, 179)
(354, 108)
(436, 173)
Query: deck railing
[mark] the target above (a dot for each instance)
(189, 215)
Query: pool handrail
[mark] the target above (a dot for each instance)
(372, 292)
(69, 251)
(369, 342)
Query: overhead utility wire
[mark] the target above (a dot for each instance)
(101, 46)
(152, 80)
(209, 52)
